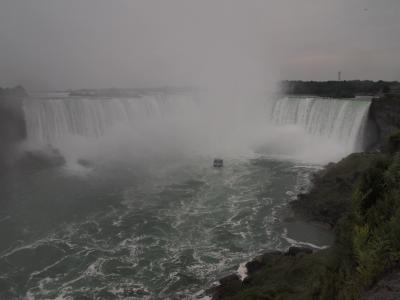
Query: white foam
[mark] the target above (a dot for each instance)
(242, 271)
(294, 242)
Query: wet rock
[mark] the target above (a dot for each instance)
(229, 285)
(228, 280)
(258, 262)
(85, 163)
(297, 251)
(31, 160)
(210, 292)
(254, 265)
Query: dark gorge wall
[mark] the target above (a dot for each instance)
(383, 121)
(12, 122)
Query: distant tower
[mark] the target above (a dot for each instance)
(339, 75)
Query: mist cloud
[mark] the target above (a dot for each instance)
(97, 43)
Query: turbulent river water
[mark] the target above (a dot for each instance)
(133, 216)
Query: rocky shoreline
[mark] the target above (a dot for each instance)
(358, 198)
(232, 284)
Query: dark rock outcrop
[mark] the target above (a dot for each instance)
(263, 267)
(296, 251)
(229, 285)
(12, 122)
(34, 160)
(383, 120)
(258, 262)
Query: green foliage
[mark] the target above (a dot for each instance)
(375, 225)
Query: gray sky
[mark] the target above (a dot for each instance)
(61, 44)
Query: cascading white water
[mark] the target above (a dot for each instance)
(50, 120)
(341, 121)
(319, 130)
(151, 124)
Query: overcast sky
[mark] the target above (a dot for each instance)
(59, 44)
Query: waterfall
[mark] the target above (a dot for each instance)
(308, 129)
(52, 119)
(339, 120)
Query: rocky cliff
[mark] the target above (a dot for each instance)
(383, 120)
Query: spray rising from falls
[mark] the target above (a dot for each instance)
(310, 129)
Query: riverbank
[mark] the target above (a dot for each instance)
(358, 198)
(365, 219)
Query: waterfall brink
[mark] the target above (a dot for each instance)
(342, 121)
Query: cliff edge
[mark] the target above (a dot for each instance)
(383, 120)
